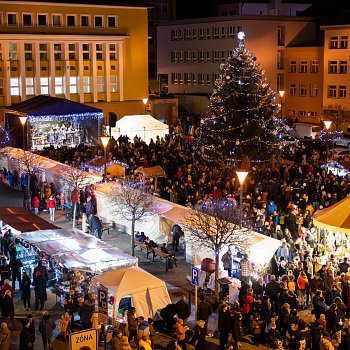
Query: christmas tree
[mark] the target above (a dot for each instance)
(241, 120)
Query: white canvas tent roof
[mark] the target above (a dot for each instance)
(143, 125)
(148, 293)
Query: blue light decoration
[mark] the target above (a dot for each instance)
(336, 168)
(331, 136)
(75, 116)
(4, 137)
(88, 167)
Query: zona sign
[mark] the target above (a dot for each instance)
(83, 340)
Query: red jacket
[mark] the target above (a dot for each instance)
(51, 203)
(36, 202)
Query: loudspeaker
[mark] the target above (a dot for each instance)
(112, 119)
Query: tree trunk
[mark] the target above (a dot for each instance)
(132, 237)
(216, 291)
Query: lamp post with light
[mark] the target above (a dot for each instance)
(281, 93)
(145, 100)
(105, 140)
(327, 124)
(23, 122)
(241, 177)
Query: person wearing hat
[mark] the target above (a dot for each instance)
(5, 337)
(46, 327)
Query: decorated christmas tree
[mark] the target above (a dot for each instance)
(241, 119)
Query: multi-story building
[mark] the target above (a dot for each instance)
(93, 52)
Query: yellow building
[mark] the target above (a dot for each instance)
(303, 97)
(93, 52)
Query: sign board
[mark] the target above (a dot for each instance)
(102, 303)
(195, 276)
(83, 340)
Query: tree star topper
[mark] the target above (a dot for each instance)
(241, 36)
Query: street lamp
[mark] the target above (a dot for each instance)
(241, 177)
(23, 122)
(281, 93)
(145, 100)
(327, 124)
(105, 140)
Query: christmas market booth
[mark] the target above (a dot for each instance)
(338, 169)
(52, 121)
(132, 287)
(114, 167)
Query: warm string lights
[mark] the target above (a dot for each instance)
(74, 116)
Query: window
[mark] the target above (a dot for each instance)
(173, 56)
(1, 87)
(71, 20)
(223, 55)
(28, 51)
(100, 83)
(333, 42)
(73, 88)
(87, 84)
(201, 33)
(99, 51)
(187, 79)
(201, 56)
(43, 52)
(59, 85)
(342, 91)
(188, 56)
(313, 90)
(314, 66)
(343, 67)
(216, 56)
(293, 67)
(86, 51)
(312, 114)
(180, 56)
(13, 51)
(208, 56)
(112, 21)
(44, 85)
(14, 86)
(303, 66)
(57, 20)
(57, 48)
(303, 90)
(194, 56)
(113, 83)
(208, 33)
(201, 78)
(332, 67)
(29, 86)
(42, 20)
(231, 31)
(180, 33)
(208, 79)
(280, 59)
(281, 36)
(85, 21)
(223, 32)
(194, 33)
(187, 33)
(113, 53)
(343, 42)
(175, 78)
(332, 91)
(98, 21)
(72, 52)
(292, 89)
(302, 114)
(12, 19)
(27, 19)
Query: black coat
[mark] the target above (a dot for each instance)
(25, 339)
(183, 310)
(204, 310)
(8, 309)
(272, 289)
(199, 338)
(223, 321)
(40, 278)
(25, 287)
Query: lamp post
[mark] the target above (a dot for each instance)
(105, 140)
(241, 177)
(23, 122)
(327, 124)
(281, 93)
(145, 100)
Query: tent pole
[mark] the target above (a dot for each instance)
(114, 312)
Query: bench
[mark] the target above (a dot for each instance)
(158, 252)
(143, 246)
(106, 227)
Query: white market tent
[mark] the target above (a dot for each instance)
(144, 126)
(77, 250)
(148, 293)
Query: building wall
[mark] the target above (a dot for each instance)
(304, 84)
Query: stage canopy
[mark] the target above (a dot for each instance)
(335, 218)
(23, 220)
(144, 126)
(9, 196)
(148, 293)
(77, 250)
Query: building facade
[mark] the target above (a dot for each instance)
(93, 53)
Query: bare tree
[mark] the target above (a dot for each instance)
(74, 179)
(213, 224)
(134, 202)
(337, 114)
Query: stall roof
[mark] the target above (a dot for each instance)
(99, 162)
(48, 105)
(9, 196)
(24, 220)
(75, 249)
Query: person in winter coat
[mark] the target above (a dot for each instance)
(120, 341)
(46, 327)
(132, 324)
(198, 338)
(8, 309)
(15, 266)
(302, 283)
(5, 337)
(181, 333)
(223, 322)
(51, 204)
(328, 279)
(95, 226)
(227, 261)
(36, 204)
(204, 310)
(143, 328)
(63, 325)
(326, 342)
(86, 312)
(25, 342)
(167, 315)
(183, 310)
(25, 290)
(40, 278)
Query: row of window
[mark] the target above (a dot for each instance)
(304, 66)
(200, 56)
(291, 114)
(304, 90)
(193, 78)
(58, 51)
(337, 91)
(59, 20)
(219, 32)
(335, 67)
(59, 85)
(338, 42)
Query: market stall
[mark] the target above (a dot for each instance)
(147, 292)
(53, 121)
(114, 167)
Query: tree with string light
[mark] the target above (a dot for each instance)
(241, 120)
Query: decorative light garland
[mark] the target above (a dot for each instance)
(75, 116)
(101, 168)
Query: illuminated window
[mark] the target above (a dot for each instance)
(29, 86)
(44, 85)
(14, 86)
(100, 83)
(59, 85)
(113, 84)
(73, 82)
(87, 84)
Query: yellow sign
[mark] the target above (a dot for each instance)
(83, 340)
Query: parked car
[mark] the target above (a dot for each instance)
(344, 141)
(287, 139)
(304, 130)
